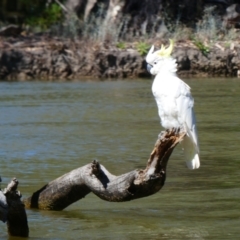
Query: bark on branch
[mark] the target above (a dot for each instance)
(95, 178)
(12, 210)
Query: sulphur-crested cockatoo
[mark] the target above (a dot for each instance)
(174, 101)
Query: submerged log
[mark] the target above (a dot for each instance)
(12, 210)
(95, 178)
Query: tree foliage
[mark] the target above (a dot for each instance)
(46, 17)
(41, 13)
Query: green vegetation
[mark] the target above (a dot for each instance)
(48, 17)
(201, 46)
(143, 48)
(99, 27)
(121, 45)
(35, 14)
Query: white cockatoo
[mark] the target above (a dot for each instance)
(174, 101)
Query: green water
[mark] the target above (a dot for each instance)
(48, 129)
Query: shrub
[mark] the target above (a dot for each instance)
(143, 48)
(44, 19)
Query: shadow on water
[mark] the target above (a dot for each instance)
(48, 129)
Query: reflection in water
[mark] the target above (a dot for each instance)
(48, 129)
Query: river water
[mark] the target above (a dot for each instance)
(49, 128)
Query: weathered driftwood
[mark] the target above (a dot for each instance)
(12, 210)
(95, 178)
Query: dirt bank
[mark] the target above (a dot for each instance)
(44, 58)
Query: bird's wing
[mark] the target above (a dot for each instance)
(185, 103)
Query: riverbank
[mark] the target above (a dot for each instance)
(45, 58)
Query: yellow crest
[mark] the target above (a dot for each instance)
(165, 52)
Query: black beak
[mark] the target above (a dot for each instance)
(149, 67)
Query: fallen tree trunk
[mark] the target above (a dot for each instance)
(95, 178)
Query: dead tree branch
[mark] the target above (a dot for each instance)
(12, 210)
(95, 178)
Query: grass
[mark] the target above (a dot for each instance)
(201, 46)
(121, 45)
(104, 30)
(209, 31)
(142, 48)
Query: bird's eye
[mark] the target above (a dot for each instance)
(155, 63)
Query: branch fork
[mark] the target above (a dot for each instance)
(95, 178)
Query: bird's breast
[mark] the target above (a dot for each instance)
(164, 93)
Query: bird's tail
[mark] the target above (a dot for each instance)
(191, 153)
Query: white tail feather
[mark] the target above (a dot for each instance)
(191, 156)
